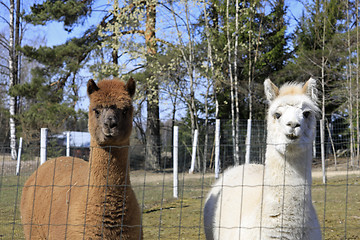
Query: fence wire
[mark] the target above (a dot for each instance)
(165, 217)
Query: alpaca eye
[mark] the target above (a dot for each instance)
(97, 112)
(277, 115)
(306, 114)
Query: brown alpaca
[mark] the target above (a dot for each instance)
(70, 198)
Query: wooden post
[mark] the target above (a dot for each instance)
(217, 148)
(43, 140)
(175, 161)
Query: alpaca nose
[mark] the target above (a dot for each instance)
(110, 122)
(293, 124)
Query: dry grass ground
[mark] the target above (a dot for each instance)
(337, 203)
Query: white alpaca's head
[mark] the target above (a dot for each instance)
(291, 116)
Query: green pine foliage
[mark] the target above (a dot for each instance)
(69, 12)
(44, 106)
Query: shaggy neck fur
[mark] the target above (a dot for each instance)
(295, 164)
(109, 165)
(109, 183)
(287, 192)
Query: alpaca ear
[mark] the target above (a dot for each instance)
(130, 87)
(91, 87)
(271, 91)
(310, 89)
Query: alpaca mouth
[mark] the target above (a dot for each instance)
(109, 133)
(292, 136)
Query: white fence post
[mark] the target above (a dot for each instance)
(43, 140)
(248, 141)
(193, 156)
(217, 148)
(314, 144)
(175, 160)
(19, 157)
(68, 144)
(322, 142)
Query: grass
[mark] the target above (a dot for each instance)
(339, 215)
(10, 195)
(167, 218)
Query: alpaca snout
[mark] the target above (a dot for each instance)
(110, 122)
(293, 124)
(110, 126)
(293, 131)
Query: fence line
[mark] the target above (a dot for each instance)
(163, 201)
(253, 145)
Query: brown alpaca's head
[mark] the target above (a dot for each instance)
(110, 111)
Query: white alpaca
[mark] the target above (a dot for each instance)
(272, 201)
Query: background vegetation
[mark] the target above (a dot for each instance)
(194, 61)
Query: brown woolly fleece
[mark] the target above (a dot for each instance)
(74, 199)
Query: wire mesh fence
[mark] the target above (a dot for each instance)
(165, 217)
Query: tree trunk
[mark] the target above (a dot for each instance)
(13, 77)
(236, 90)
(153, 153)
(350, 87)
(232, 98)
(210, 59)
(248, 132)
(188, 57)
(322, 126)
(357, 86)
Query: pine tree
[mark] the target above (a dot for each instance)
(58, 66)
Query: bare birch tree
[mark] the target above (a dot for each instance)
(349, 81)
(236, 84)
(357, 85)
(14, 39)
(232, 88)
(187, 53)
(210, 83)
